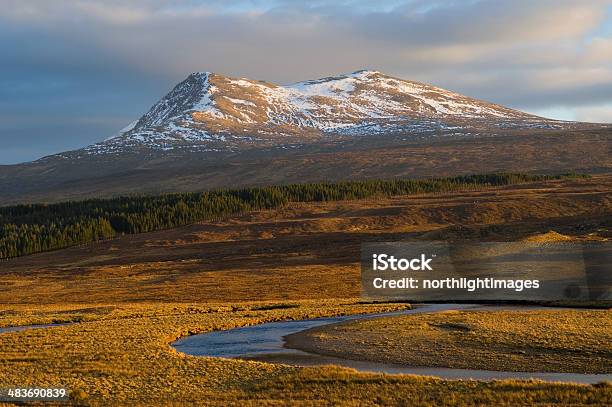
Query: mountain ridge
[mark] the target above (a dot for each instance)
(212, 112)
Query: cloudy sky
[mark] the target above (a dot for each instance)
(73, 72)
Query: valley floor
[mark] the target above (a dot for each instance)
(134, 295)
(120, 355)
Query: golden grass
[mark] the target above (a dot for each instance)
(336, 386)
(550, 236)
(121, 356)
(514, 340)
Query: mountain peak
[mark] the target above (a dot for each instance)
(202, 74)
(213, 112)
(367, 72)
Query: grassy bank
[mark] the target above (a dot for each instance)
(515, 340)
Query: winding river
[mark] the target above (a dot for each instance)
(265, 342)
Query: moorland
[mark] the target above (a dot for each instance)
(130, 296)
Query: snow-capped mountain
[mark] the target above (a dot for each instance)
(212, 112)
(213, 131)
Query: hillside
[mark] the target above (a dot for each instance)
(305, 250)
(27, 229)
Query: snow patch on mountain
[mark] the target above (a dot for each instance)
(212, 112)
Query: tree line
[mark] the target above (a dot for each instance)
(32, 228)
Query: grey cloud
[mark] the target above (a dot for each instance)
(114, 58)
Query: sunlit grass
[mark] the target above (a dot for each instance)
(120, 355)
(513, 340)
